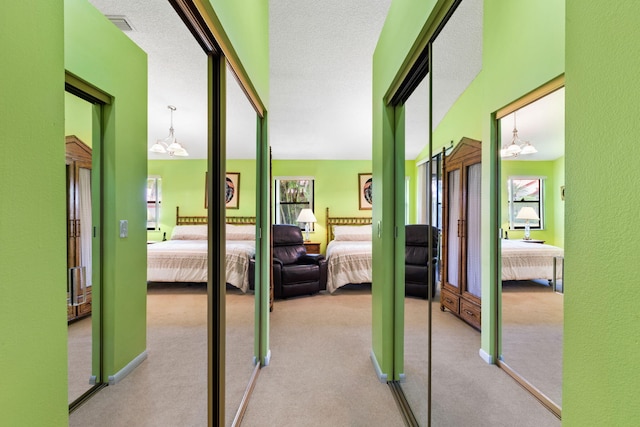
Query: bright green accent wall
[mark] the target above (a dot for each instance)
(78, 116)
(601, 318)
(554, 214)
(462, 120)
(91, 43)
(246, 25)
(183, 185)
(33, 326)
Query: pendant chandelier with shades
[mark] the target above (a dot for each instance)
(170, 144)
(516, 147)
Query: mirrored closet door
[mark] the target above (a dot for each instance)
(532, 241)
(435, 340)
(241, 214)
(83, 263)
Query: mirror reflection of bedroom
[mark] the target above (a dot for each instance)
(532, 241)
(178, 243)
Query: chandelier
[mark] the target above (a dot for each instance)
(169, 145)
(516, 147)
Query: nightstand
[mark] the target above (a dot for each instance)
(312, 247)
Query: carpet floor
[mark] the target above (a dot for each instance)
(320, 373)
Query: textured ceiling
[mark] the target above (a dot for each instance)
(320, 77)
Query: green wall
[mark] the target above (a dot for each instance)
(183, 185)
(246, 28)
(78, 116)
(601, 320)
(33, 326)
(91, 43)
(553, 174)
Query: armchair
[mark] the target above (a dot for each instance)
(418, 263)
(294, 271)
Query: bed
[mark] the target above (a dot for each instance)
(528, 261)
(183, 258)
(349, 254)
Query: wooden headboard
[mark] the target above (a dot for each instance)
(344, 220)
(195, 220)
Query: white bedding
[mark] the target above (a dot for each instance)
(348, 262)
(528, 261)
(186, 261)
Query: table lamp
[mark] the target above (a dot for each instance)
(527, 213)
(306, 216)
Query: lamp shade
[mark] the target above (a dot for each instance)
(527, 213)
(306, 215)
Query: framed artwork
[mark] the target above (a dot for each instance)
(231, 190)
(365, 190)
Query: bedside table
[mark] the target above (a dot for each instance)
(312, 247)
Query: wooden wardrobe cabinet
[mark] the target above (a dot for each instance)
(79, 226)
(461, 281)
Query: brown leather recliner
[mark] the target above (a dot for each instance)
(294, 271)
(418, 262)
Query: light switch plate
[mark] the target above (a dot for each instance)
(124, 228)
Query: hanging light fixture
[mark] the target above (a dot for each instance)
(517, 147)
(170, 144)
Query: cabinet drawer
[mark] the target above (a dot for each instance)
(470, 313)
(312, 247)
(450, 301)
(84, 309)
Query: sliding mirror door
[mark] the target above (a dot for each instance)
(240, 244)
(436, 342)
(532, 230)
(417, 315)
(82, 129)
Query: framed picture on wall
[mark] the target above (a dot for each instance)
(365, 190)
(231, 192)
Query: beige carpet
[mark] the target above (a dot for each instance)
(532, 324)
(170, 387)
(79, 357)
(320, 372)
(465, 389)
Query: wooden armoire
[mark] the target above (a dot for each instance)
(79, 228)
(461, 275)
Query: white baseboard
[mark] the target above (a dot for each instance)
(381, 376)
(486, 357)
(114, 379)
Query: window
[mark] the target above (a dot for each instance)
(292, 195)
(154, 197)
(525, 192)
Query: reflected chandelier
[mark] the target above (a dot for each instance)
(169, 145)
(516, 147)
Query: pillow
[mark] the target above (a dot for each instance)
(352, 232)
(189, 232)
(241, 232)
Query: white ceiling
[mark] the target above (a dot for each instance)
(320, 78)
